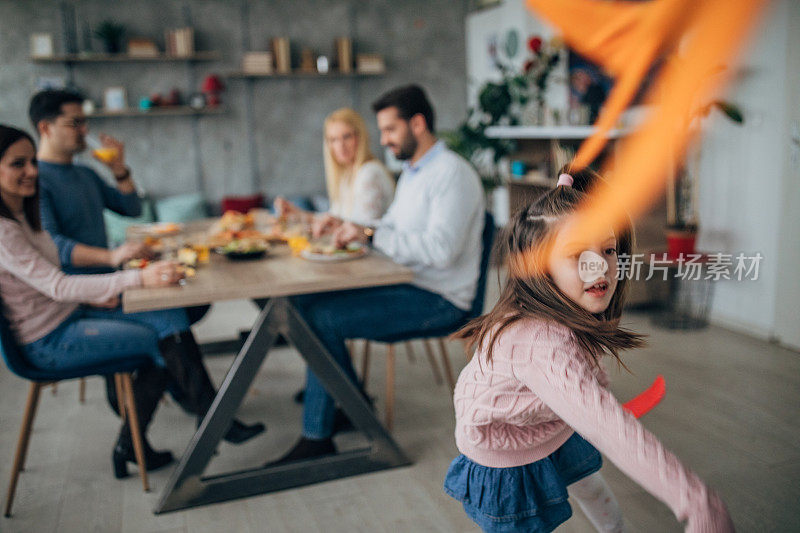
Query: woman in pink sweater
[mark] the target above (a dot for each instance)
(43, 304)
(535, 387)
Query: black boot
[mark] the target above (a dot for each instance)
(173, 389)
(111, 394)
(185, 362)
(306, 449)
(148, 386)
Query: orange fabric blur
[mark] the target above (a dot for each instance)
(626, 39)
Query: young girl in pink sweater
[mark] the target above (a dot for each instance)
(535, 388)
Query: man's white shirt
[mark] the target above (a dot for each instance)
(435, 223)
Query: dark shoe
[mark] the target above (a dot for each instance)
(172, 387)
(240, 432)
(188, 373)
(341, 422)
(306, 449)
(124, 454)
(111, 394)
(300, 396)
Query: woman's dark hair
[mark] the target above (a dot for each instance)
(30, 206)
(409, 100)
(530, 292)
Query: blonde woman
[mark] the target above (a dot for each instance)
(360, 188)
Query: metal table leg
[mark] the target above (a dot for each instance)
(188, 488)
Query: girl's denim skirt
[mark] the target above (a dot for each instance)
(529, 498)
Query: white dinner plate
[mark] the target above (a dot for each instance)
(335, 257)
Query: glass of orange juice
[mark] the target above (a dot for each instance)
(298, 243)
(203, 252)
(106, 154)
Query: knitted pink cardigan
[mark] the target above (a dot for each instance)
(539, 387)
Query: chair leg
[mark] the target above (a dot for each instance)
(448, 370)
(365, 364)
(22, 444)
(82, 390)
(55, 389)
(390, 388)
(133, 423)
(437, 376)
(410, 352)
(120, 396)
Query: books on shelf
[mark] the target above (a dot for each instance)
(370, 64)
(142, 48)
(180, 42)
(257, 63)
(344, 54)
(282, 53)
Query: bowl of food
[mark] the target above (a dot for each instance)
(244, 249)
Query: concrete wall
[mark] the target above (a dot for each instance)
(422, 42)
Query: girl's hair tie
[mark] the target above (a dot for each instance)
(565, 179)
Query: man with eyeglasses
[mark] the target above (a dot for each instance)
(73, 196)
(72, 199)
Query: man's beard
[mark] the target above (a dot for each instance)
(407, 149)
(80, 146)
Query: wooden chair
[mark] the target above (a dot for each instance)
(476, 309)
(81, 390)
(121, 368)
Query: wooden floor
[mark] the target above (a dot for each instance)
(731, 412)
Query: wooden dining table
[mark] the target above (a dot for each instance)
(271, 282)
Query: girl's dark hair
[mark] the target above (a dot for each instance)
(30, 206)
(530, 292)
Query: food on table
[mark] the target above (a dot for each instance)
(235, 226)
(156, 230)
(244, 246)
(137, 263)
(152, 242)
(323, 248)
(235, 221)
(187, 271)
(187, 256)
(298, 243)
(218, 240)
(166, 228)
(203, 252)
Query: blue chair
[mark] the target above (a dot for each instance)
(476, 310)
(121, 368)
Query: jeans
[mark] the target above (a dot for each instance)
(92, 335)
(371, 313)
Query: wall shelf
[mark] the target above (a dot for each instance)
(125, 58)
(304, 75)
(549, 132)
(171, 111)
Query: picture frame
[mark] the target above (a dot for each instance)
(41, 45)
(115, 99)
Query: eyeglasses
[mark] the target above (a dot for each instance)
(75, 123)
(346, 137)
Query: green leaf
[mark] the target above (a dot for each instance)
(730, 110)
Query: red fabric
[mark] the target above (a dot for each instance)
(242, 204)
(643, 403)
